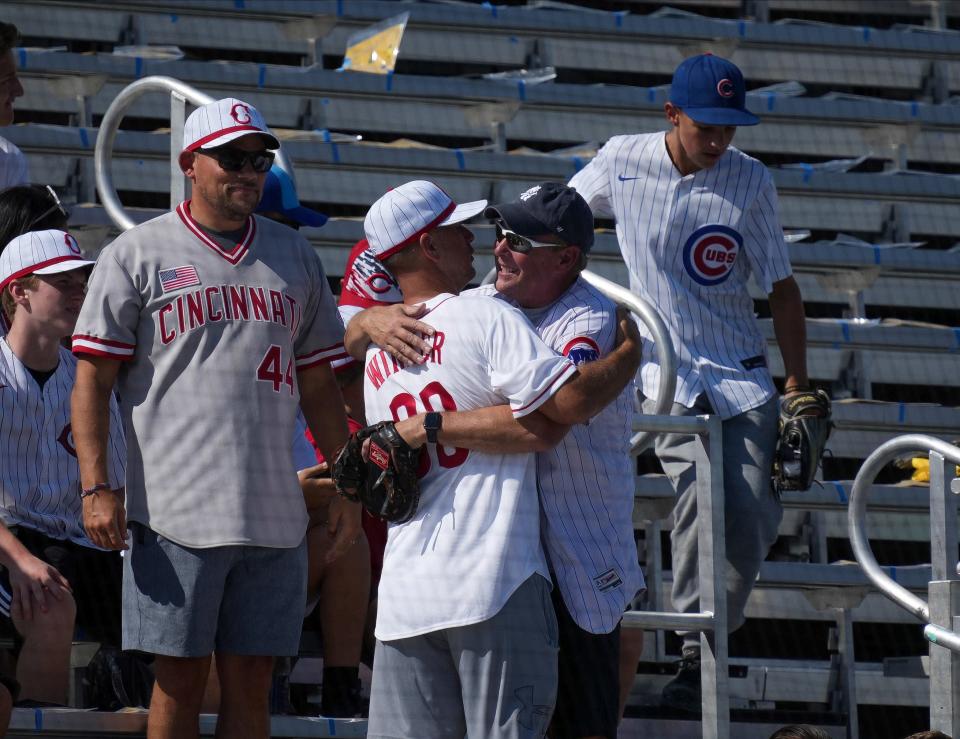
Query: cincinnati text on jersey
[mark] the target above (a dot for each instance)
(214, 304)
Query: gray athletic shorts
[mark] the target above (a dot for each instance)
(184, 602)
(496, 678)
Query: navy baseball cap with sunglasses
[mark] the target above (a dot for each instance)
(548, 208)
(711, 91)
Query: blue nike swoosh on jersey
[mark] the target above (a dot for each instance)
(625, 179)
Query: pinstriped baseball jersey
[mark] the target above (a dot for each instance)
(690, 244)
(211, 335)
(475, 537)
(586, 482)
(39, 474)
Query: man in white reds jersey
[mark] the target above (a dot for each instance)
(466, 636)
(52, 574)
(217, 325)
(587, 482)
(695, 218)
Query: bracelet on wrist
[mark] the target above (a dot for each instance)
(87, 492)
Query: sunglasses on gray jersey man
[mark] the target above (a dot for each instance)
(232, 159)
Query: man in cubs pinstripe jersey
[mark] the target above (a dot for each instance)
(695, 219)
(217, 325)
(52, 573)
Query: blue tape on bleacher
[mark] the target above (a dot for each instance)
(37, 719)
(22, 53)
(914, 108)
(578, 164)
(84, 138)
(877, 251)
(618, 18)
(461, 160)
(262, 75)
(332, 726)
(174, 17)
(138, 67)
(742, 28)
(389, 81)
(807, 170)
(334, 150)
(841, 493)
(238, 4)
(892, 570)
(866, 33)
(956, 337)
(339, 8)
(771, 101)
(522, 89)
(902, 413)
(651, 94)
(844, 329)
(491, 7)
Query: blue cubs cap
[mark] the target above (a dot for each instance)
(280, 196)
(548, 208)
(711, 91)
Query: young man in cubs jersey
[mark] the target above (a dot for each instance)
(217, 325)
(695, 218)
(466, 636)
(52, 574)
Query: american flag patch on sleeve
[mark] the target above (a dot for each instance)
(178, 277)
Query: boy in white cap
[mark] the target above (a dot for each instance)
(466, 634)
(52, 573)
(217, 325)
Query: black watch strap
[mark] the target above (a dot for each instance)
(432, 424)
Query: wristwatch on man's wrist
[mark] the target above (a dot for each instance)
(432, 424)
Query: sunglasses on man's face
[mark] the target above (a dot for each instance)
(55, 207)
(520, 244)
(231, 159)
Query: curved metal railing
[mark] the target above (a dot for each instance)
(857, 517)
(661, 338)
(180, 93)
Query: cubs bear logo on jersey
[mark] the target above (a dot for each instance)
(581, 350)
(711, 252)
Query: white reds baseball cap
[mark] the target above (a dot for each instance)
(405, 213)
(40, 253)
(220, 122)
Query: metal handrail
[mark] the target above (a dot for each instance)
(857, 515)
(180, 92)
(661, 341)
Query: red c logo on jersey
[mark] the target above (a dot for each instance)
(241, 113)
(66, 440)
(725, 88)
(72, 244)
(711, 252)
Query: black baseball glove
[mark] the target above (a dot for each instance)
(379, 469)
(804, 428)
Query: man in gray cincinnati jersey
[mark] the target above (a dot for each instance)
(216, 325)
(695, 219)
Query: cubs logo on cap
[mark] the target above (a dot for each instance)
(40, 253)
(404, 214)
(222, 121)
(710, 253)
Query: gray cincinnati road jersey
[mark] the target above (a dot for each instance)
(211, 339)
